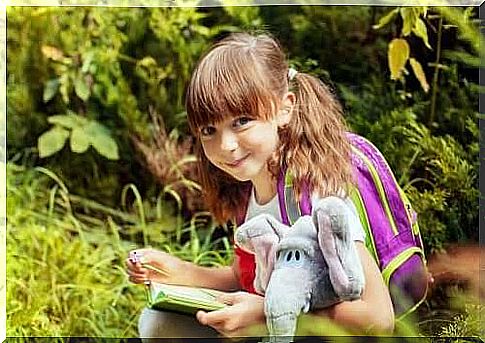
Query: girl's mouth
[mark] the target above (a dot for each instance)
(238, 162)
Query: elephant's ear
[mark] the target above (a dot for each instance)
(329, 216)
(260, 235)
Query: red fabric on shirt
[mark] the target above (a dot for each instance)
(247, 269)
(246, 261)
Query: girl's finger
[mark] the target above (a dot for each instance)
(134, 266)
(226, 298)
(213, 318)
(136, 279)
(128, 263)
(230, 298)
(137, 274)
(200, 316)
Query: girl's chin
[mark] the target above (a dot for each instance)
(242, 177)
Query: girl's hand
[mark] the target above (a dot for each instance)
(244, 316)
(158, 266)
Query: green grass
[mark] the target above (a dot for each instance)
(65, 264)
(66, 272)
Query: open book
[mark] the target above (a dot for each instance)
(182, 299)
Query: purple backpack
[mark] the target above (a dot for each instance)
(390, 223)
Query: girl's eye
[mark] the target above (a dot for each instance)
(207, 131)
(241, 121)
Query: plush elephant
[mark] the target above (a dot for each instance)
(311, 265)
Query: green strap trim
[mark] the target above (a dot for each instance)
(292, 207)
(291, 204)
(397, 261)
(380, 189)
(364, 219)
(413, 308)
(288, 180)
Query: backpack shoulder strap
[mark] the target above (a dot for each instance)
(291, 208)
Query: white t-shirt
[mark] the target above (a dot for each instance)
(273, 208)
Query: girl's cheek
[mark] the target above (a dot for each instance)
(209, 152)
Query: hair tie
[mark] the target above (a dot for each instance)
(291, 73)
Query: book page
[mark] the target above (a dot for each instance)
(192, 293)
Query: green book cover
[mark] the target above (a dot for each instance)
(183, 299)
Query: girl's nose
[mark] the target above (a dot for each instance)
(229, 141)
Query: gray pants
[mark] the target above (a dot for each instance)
(159, 324)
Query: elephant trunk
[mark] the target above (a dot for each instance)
(285, 299)
(283, 326)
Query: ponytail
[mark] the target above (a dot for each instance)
(314, 145)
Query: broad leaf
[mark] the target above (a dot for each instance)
(398, 54)
(64, 87)
(419, 73)
(408, 19)
(52, 141)
(52, 52)
(69, 121)
(421, 31)
(80, 141)
(87, 60)
(386, 19)
(50, 89)
(102, 141)
(81, 88)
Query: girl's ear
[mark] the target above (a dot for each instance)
(284, 116)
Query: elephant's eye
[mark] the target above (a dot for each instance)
(289, 256)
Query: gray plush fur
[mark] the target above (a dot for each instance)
(311, 265)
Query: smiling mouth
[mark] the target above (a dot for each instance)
(238, 162)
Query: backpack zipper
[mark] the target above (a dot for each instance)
(404, 199)
(380, 189)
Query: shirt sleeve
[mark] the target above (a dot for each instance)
(356, 230)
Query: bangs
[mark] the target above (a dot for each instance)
(228, 83)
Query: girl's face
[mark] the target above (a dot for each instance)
(240, 146)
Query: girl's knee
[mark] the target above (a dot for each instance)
(154, 323)
(151, 323)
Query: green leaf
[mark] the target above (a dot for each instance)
(52, 52)
(102, 141)
(80, 141)
(50, 89)
(419, 73)
(408, 18)
(398, 54)
(421, 31)
(81, 88)
(69, 121)
(87, 60)
(463, 57)
(386, 19)
(64, 87)
(52, 141)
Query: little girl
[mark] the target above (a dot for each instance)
(252, 116)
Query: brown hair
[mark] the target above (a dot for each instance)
(246, 74)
